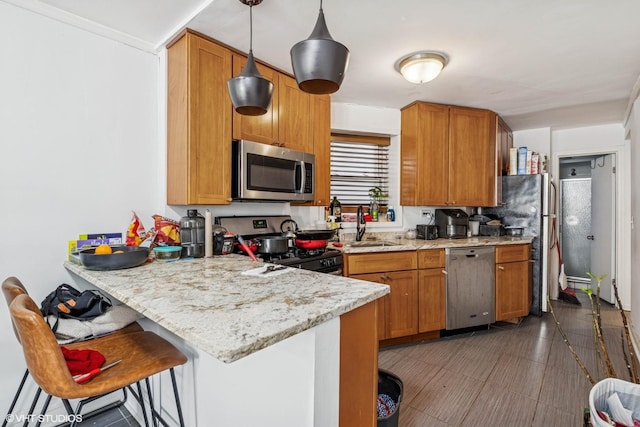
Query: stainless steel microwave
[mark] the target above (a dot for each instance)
(267, 172)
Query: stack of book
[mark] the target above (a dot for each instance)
(91, 240)
(523, 161)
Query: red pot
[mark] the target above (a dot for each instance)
(311, 244)
(253, 246)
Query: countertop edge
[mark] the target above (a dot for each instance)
(227, 354)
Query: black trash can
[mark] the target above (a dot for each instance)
(389, 385)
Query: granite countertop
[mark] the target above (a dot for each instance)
(415, 244)
(216, 306)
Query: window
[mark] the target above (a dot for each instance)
(359, 163)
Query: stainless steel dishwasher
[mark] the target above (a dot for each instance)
(470, 286)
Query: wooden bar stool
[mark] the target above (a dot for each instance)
(11, 288)
(142, 355)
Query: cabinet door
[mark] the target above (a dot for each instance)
(424, 155)
(198, 123)
(321, 122)
(379, 262)
(401, 304)
(512, 289)
(473, 155)
(511, 253)
(431, 300)
(294, 123)
(262, 128)
(505, 140)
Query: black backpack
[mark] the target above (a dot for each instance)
(69, 303)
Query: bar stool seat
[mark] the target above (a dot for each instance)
(11, 288)
(143, 355)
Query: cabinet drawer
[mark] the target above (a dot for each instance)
(512, 253)
(431, 258)
(380, 262)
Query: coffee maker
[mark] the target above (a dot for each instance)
(452, 223)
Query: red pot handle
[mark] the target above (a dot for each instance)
(245, 248)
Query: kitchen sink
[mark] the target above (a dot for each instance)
(371, 244)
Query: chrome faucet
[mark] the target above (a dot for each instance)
(361, 225)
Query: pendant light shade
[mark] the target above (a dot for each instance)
(319, 62)
(250, 92)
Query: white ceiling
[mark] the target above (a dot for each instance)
(544, 63)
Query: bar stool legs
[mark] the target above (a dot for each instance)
(154, 414)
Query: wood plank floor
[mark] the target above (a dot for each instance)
(509, 375)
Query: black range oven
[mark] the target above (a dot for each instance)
(251, 228)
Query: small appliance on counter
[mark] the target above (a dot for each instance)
(427, 232)
(452, 223)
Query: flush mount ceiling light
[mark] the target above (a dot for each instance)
(422, 67)
(319, 62)
(250, 92)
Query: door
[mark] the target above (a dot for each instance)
(575, 214)
(603, 230)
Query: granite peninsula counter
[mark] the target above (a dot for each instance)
(300, 342)
(213, 304)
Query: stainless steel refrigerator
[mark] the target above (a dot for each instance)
(526, 204)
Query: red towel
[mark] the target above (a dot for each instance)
(82, 361)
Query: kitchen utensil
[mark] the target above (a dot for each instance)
(122, 257)
(167, 253)
(271, 268)
(513, 231)
(315, 234)
(83, 378)
(245, 248)
(311, 244)
(273, 245)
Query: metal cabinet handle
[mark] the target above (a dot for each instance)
(444, 272)
(500, 267)
(591, 237)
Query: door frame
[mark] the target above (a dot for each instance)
(623, 211)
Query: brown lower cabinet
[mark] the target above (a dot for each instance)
(400, 305)
(358, 367)
(416, 303)
(513, 281)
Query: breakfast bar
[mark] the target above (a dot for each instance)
(265, 347)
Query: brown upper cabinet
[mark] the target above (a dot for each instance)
(198, 123)
(286, 123)
(201, 122)
(450, 156)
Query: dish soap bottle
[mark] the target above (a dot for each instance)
(391, 214)
(333, 226)
(336, 210)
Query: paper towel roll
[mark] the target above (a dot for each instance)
(208, 235)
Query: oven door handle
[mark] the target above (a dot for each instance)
(299, 177)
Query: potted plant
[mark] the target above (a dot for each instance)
(376, 195)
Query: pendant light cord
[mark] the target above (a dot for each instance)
(251, 27)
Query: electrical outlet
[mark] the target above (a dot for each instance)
(426, 213)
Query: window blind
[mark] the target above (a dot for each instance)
(358, 164)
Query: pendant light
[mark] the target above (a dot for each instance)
(319, 62)
(250, 92)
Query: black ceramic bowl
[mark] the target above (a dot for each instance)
(131, 256)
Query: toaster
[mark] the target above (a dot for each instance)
(426, 232)
(452, 223)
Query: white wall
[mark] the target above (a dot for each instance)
(80, 151)
(634, 131)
